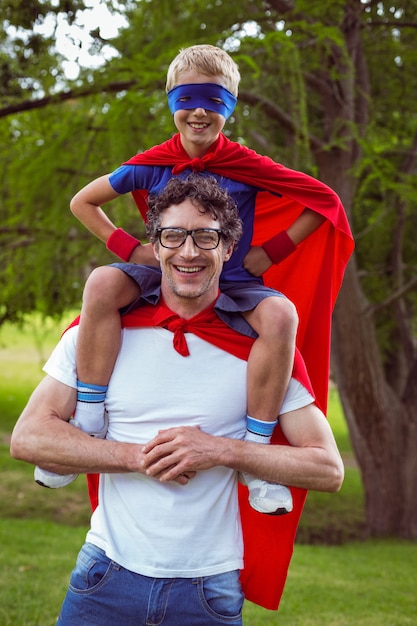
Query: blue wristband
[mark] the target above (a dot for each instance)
(260, 427)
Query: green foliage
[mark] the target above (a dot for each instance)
(49, 153)
(29, 63)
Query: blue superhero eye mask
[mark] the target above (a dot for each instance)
(209, 96)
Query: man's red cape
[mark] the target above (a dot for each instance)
(311, 278)
(268, 541)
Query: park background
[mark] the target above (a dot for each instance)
(327, 87)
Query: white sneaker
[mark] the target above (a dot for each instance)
(265, 497)
(52, 480)
(55, 481)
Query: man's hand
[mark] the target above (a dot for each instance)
(257, 261)
(181, 451)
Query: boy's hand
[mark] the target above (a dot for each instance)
(257, 261)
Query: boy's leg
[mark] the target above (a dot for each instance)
(271, 359)
(270, 366)
(107, 290)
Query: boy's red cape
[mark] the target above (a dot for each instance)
(311, 278)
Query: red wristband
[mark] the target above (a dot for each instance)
(122, 244)
(279, 247)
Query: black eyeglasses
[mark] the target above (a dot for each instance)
(203, 238)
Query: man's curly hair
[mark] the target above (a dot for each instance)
(207, 195)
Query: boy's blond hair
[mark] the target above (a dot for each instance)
(208, 60)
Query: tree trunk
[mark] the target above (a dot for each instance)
(382, 423)
(382, 426)
(381, 416)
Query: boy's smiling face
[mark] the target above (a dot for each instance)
(199, 128)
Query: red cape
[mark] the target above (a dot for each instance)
(311, 278)
(268, 541)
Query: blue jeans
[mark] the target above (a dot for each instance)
(102, 593)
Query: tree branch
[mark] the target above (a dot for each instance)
(29, 105)
(391, 24)
(279, 115)
(282, 6)
(22, 243)
(392, 298)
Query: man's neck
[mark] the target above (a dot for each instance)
(186, 308)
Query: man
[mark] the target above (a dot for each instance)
(165, 542)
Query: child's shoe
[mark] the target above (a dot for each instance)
(265, 497)
(52, 480)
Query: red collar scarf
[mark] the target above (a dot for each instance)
(206, 325)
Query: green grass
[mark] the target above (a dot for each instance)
(357, 584)
(347, 582)
(37, 558)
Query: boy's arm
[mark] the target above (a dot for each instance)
(260, 258)
(86, 206)
(304, 225)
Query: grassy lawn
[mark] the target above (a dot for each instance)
(355, 584)
(335, 579)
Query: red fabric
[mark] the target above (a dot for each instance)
(122, 244)
(206, 325)
(311, 278)
(232, 160)
(262, 534)
(279, 247)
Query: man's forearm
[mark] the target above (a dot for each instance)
(307, 468)
(312, 461)
(64, 449)
(44, 437)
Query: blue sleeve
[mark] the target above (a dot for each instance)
(122, 179)
(127, 178)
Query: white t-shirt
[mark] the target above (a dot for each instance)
(165, 529)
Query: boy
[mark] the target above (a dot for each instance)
(202, 86)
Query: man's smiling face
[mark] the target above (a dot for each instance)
(190, 275)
